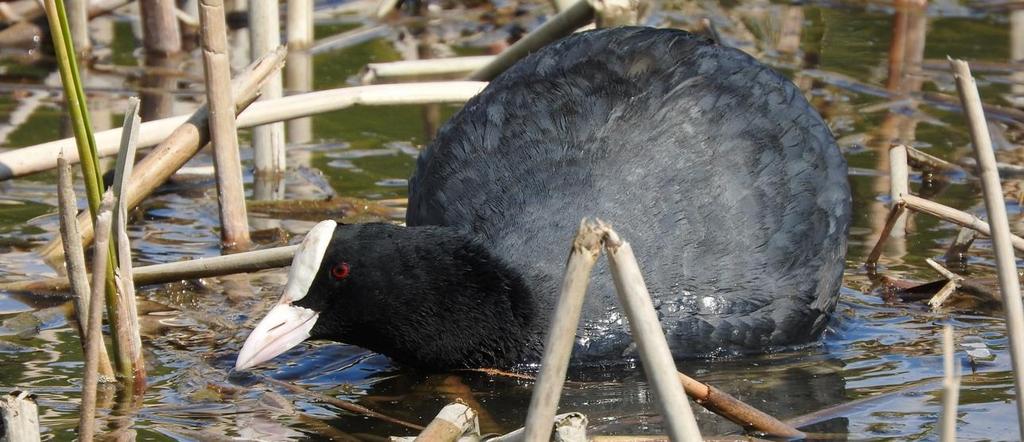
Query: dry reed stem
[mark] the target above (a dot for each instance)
(299, 27)
(922, 160)
(1005, 170)
(74, 255)
(946, 273)
(899, 185)
(179, 146)
(646, 331)
(94, 340)
(264, 36)
(40, 157)
(1009, 282)
(234, 221)
(957, 217)
(740, 413)
(454, 420)
(160, 32)
(560, 25)
(298, 72)
(298, 78)
(562, 332)
(128, 339)
(19, 417)
(348, 39)
(943, 294)
(374, 72)
(890, 221)
(561, 5)
(385, 7)
(78, 21)
(614, 13)
(950, 387)
(243, 262)
(953, 283)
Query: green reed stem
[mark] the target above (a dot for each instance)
(74, 95)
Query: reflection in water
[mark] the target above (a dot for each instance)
(157, 85)
(192, 331)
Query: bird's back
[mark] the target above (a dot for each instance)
(727, 183)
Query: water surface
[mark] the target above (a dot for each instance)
(876, 73)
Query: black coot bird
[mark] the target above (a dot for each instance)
(727, 183)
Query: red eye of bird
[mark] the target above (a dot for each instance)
(340, 271)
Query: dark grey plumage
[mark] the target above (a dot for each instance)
(727, 183)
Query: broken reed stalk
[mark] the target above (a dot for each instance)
(454, 420)
(243, 262)
(899, 185)
(94, 340)
(180, 145)
(234, 222)
(128, 338)
(586, 247)
(41, 157)
(646, 331)
(75, 97)
(19, 417)
(1009, 282)
(957, 217)
(560, 25)
(74, 255)
(571, 427)
(264, 36)
(943, 294)
(953, 282)
(374, 72)
(950, 387)
(890, 221)
(78, 21)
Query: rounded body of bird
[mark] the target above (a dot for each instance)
(727, 183)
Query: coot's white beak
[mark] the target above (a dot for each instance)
(287, 325)
(284, 327)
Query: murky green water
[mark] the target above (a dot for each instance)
(873, 71)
